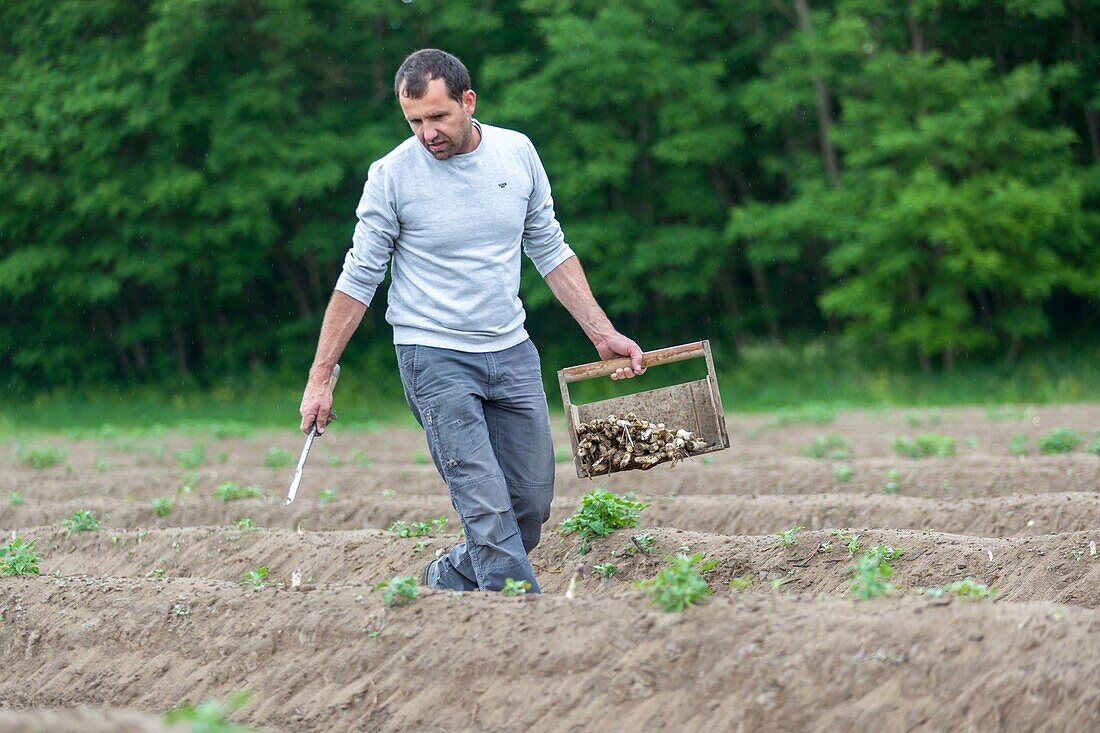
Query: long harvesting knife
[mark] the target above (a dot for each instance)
(309, 444)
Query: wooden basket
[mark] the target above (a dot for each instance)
(694, 406)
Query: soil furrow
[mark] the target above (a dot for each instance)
(331, 659)
(1016, 516)
(1058, 568)
(941, 478)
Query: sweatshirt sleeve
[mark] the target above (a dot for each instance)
(543, 240)
(372, 241)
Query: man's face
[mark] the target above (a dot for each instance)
(441, 124)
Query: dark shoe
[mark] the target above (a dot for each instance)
(424, 574)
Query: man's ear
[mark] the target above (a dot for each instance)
(469, 101)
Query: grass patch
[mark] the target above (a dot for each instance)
(925, 445)
(41, 456)
(230, 491)
(813, 413)
(833, 446)
(1059, 440)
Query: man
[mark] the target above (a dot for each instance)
(452, 206)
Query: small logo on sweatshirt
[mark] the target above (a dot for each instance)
(502, 185)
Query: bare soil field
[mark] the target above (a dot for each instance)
(148, 611)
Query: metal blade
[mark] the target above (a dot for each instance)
(301, 464)
(309, 441)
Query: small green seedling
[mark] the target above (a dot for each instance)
(600, 514)
(18, 557)
(401, 528)
(255, 578)
(188, 482)
(398, 590)
(359, 458)
(15, 498)
(211, 716)
(100, 464)
(893, 482)
(277, 457)
(41, 456)
(421, 458)
(925, 445)
(788, 537)
(230, 491)
(422, 545)
(971, 590)
(82, 521)
(605, 569)
(825, 547)
(162, 507)
(743, 583)
(679, 584)
(156, 574)
(327, 496)
(1093, 447)
(644, 542)
(842, 473)
(885, 552)
(192, 457)
(968, 589)
(871, 577)
(514, 587)
(1059, 440)
(833, 446)
(1008, 412)
(853, 544)
(245, 525)
(387, 493)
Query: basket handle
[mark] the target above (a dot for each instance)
(649, 358)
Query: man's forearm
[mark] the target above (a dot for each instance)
(570, 287)
(342, 317)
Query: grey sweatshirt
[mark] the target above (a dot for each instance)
(454, 229)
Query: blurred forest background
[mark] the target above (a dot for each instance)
(899, 187)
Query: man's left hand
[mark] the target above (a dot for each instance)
(617, 346)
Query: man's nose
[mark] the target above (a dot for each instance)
(429, 133)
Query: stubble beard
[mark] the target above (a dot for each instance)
(450, 149)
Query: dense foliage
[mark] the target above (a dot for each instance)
(178, 177)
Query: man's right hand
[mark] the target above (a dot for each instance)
(317, 405)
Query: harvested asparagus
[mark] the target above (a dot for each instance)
(614, 443)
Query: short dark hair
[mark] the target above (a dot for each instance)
(422, 66)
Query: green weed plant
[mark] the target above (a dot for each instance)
(82, 521)
(18, 557)
(398, 590)
(679, 584)
(924, 446)
(1059, 440)
(600, 514)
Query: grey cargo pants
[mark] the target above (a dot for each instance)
(488, 431)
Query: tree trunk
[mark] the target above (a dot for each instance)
(912, 289)
(301, 298)
(824, 105)
(1013, 353)
(760, 282)
(180, 346)
(1092, 123)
